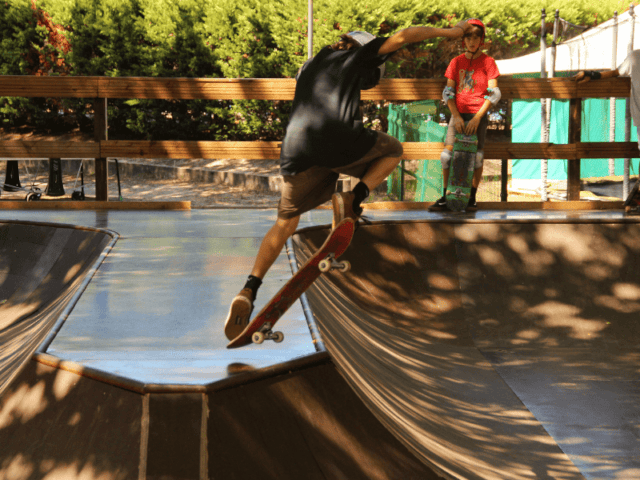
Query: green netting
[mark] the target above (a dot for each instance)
(415, 122)
(595, 128)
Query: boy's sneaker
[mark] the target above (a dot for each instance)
(472, 206)
(239, 313)
(439, 205)
(343, 207)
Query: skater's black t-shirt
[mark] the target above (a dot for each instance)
(325, 127)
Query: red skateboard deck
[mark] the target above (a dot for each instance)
(260, 328)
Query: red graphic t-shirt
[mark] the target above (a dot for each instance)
(472, 79)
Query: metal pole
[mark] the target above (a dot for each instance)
(627, 113)
(556, 22)
(310, 29)
(612, 101)
(544, 129)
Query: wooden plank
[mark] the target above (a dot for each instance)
(48, 149)
(55, 87)
(185, 149)
(271, 150)
(607, 150)
(412, 150)
(284, 88)
(93, 205)
(389, 89)
(515, 205)
(198, 88)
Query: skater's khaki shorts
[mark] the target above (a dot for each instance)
(313, 187)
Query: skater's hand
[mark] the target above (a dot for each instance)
(458, 123)
(472, 126)
(581, 77)
(462, 27)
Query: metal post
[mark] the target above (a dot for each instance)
(310, 29)
(556, 23)
(100, 133)
(612, 101)
(627, 113)
(544, 128)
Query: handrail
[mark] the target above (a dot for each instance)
(283, 88)
(100, 89)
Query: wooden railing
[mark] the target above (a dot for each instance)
(100, 89)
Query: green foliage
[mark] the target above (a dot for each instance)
(227, 38)
(19, 33)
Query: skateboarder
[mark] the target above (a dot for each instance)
(326, 137)
(472, 87)
(630, 67)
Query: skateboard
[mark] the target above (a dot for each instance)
(323, 261)
(461, 173)
(632, 203)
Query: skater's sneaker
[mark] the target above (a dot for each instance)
(239, 313)
(343, 207)
(439, 205)
(472, 206)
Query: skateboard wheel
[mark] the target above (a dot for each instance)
(345, 266)
(257, 338)
(32, 196)
(278, 337)
(324, 266)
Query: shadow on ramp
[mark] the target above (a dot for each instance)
(42, 269)
(493, 350)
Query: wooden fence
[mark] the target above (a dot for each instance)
(100, 89)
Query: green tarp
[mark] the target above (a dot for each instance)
(526, 122)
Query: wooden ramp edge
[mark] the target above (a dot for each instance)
(92, 205)
(560, 205)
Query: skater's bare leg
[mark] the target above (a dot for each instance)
(272, 244)
(379, 171)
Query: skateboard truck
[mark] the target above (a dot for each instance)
(265, 333)
(330, 263)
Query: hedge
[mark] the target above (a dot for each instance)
(227, 38)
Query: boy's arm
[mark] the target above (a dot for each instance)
(586, 75)
(418, 34)
(472, 126)
(458, 122)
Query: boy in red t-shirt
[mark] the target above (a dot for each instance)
(472, 87)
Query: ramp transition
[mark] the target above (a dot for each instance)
(493, 350)
(42, 268)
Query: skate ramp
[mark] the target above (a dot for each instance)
(493, 350)
(42, 267)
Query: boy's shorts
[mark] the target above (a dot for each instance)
(313, 187)
(481, 132)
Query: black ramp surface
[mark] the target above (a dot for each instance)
(495, 350)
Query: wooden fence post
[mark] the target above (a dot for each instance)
(100, 133)
(575, 129)
(505, 179)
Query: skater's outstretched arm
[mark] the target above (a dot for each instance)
(418, 34)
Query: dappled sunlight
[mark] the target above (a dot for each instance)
(432, 312)
(626, 291)
(63, 384)
(17, 468)
(554, 314)
(52, 426)
(23, 404)
(76, 471)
